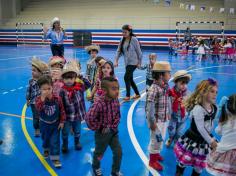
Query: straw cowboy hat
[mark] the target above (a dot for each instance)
(56, 60)
(40, 65)
(92, 47)
(161, 66)
(181, 74)
(102, 62)
(54, 20)
(71, 66)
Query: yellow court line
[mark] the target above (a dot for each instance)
(33, 146)
(14, 115)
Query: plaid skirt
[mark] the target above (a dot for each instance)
(222, 163)
(191, 150)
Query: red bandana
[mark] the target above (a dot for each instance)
(72, 89)
(177, 101)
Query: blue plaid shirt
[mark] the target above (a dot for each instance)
(32, 91)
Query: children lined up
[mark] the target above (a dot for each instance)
(58, 106)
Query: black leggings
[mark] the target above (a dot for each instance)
(57, 50)
(128, 77)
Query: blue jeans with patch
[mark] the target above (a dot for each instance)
(75, 126)
(176, 127)
(51, 139)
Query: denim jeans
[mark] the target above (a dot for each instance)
(35, 116)
(51, 139)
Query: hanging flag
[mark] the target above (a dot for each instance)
(231, 10)
(187, 7)
(222, 10)
(181, 5)
(167, 2)
(192, 7)
(211, 9)
(202, 8)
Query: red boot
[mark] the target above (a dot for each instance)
(154, 163)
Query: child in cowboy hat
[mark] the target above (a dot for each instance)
(177, 94)
(92, 50)
(72, 94)
(100, 61)
(157, 111)
(56, 64)
(38, 69)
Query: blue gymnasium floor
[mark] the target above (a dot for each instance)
(17, 156)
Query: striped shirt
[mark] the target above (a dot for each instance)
(103, 114)
(148, 67)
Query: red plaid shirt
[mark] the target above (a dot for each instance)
(103, 114)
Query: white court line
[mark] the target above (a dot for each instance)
(14, 68)
(13, 90)
(15, 58)
(231, 74)
(137, 77)
(5, 93)
(20, 88)
(131, 130)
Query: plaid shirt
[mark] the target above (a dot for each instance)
(53, 109)
(149, 71)
(103, 114)
(91, 70)
(32, 91)
(158, 94)
(75, 106)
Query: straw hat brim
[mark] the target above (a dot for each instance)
(57, 60)
(92, 47)
(40, 65)
(187, 75)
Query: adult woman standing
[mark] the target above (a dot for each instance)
(57, 36)
(129, 47)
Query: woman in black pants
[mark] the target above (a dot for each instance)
(57, 36)
(129, 47)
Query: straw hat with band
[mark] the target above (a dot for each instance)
(102, 62)
(161, 66)
(71, 66)
(40, 65)
(92, 47)
(56, 60)
(181, 74)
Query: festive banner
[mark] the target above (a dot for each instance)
(181, 5)
(187, 7)
(211, 9)
(222, 10)
(231, 10)
(167, 3)
(192, 7)
(203, 8)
